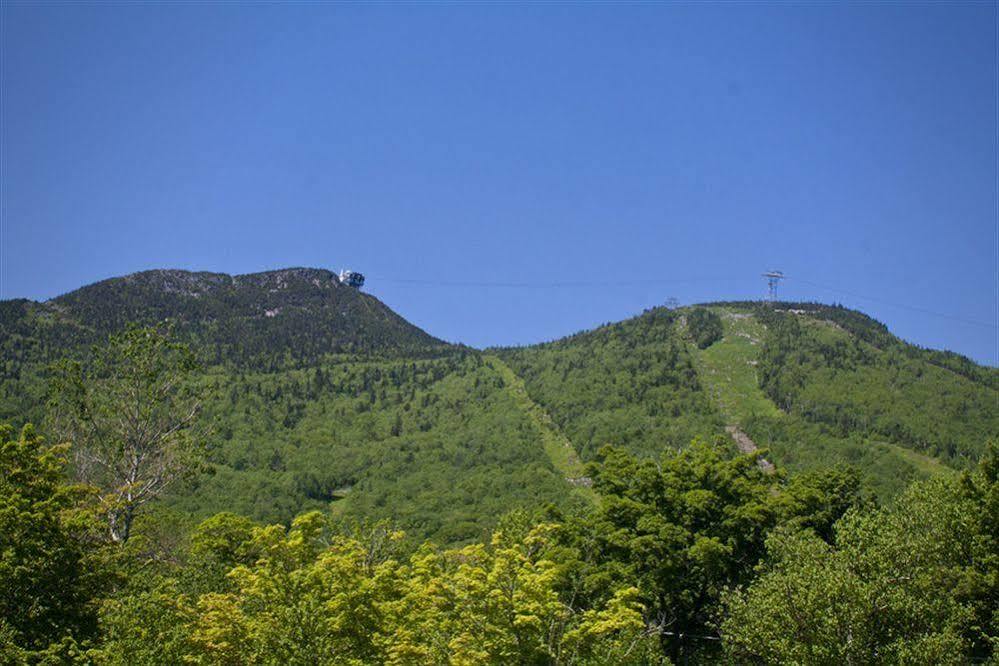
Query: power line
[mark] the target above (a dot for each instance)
(589, 284)
(571, 284)
(902, 306)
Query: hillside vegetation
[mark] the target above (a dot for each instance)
(261, 321)
(701, 557)
(436, 445)
(731, 371)
(632, 384)
(345, 488)
(320, 396)
(803, 386)
(812, 367)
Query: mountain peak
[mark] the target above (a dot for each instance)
(298, 312)
(197, 283)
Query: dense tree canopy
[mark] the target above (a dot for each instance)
(683, 528)
(704, 326)
(916, 582)
(814, 369)
(701, 555)
(52, 560)
(314, 594)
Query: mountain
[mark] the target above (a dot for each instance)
(815, 385)
(318, 393)
(282, 318)
(303, 312)
(321, 397)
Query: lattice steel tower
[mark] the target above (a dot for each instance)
(773, 279)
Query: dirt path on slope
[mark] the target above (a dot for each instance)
(746, 445)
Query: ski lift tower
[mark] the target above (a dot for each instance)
(773, 279)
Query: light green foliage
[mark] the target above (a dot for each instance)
(916, 583)
(499, 603)
(728, 369)
(316, 595)
(145, 625)
(320, 396)
(731, 371)
(557, 446)
(637, 582)
(326, 410)
(614, 634)
(885, 469)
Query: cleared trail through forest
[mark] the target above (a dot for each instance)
(728, 370)
(557, 446)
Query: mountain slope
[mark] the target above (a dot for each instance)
(436, 445)
(304, 312)
(318, 395)
(632, 384)
(816, 385)
(284, 318)
(557, 446)
(730, 369)
(814, 367)
(321, 397)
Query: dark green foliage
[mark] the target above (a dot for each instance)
(817, 499)
(31, 337)
(301, 313)
(916, 582)
(702, 539)
(48, 551)
(386, 420)
(318, 396)
(684, 527)
(262, 321)
(704, 327)
(631, 384)
(814, 369)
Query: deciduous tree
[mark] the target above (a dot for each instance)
(131, 418)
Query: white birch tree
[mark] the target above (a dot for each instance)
(132, 419)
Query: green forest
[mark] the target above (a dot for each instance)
(700, 556)
(200, 468)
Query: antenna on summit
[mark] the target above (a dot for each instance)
(773, 279)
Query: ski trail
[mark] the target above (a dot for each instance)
(557, 446)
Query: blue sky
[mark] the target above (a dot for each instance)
(650, 150)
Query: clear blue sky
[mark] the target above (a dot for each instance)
(852, 146)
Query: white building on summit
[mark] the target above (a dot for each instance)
(351, 278)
